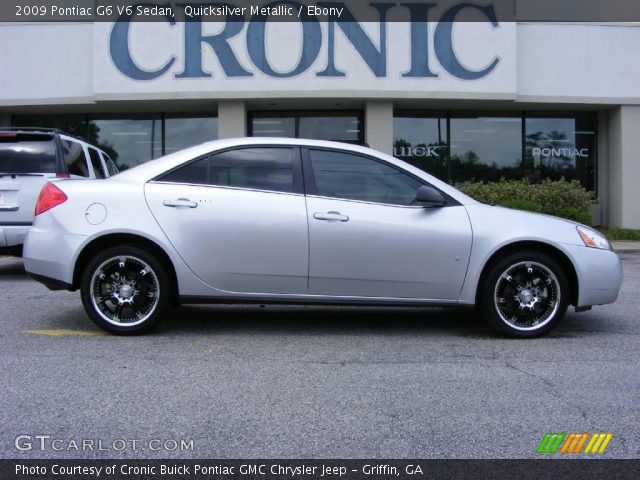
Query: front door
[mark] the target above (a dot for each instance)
(367, 240)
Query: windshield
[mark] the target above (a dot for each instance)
(27, 153)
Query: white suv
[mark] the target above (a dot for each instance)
(28, 158)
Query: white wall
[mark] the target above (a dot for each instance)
(378, 124)
(561, 63)
(624, 167)
(46, 64)
(579, 63)
(232, 119)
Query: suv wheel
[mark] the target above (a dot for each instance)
(125, 290)
(526, 295)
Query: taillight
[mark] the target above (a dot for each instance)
(63, 175)
(50, 196)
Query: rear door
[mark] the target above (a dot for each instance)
(238, 218)
(27, 161)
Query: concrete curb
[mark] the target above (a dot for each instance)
(626, 246)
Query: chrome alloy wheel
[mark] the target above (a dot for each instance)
(527, 295)
(124, 290)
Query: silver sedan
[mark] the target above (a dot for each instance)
(272, 220)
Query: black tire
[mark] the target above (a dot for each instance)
(129, 299)
(513, 289)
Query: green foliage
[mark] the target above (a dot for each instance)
(622, 234)
(562, 198)
(575, 214)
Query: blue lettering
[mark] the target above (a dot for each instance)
(419, 13)
(443, 40)
(311, 42)
(119, 47)
(375, 59)
(312, 37)
(193, 40)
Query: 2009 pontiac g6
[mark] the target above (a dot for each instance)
(271, 220)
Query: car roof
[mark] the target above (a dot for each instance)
(44, 131)
(153, 168)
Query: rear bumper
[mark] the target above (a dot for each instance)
(12, 235)
(52, 283)
(49, 253)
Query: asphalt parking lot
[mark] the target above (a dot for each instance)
(311, 382)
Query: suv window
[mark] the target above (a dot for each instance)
(74, 158)
(94, 155)
(353, 177)
(263, 168)
(111, 167)
(27, 153)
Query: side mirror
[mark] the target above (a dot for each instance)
(429, 197)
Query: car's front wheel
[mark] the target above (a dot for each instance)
(125, 290)
(526, 294)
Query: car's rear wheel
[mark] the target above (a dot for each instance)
(125, 290)
(526, 294)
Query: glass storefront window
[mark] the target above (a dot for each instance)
(558, 145)
(330, 128)
(183, 132)
(485, 148)
(131, 139)
(128, 141)
(339, 126)
(74, 124)
(273, 126)
(423, 142)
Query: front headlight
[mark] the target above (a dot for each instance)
(593, 238)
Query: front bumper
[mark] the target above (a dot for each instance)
(599, 274)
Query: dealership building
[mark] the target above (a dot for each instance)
(464, 101)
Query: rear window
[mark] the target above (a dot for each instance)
(27, 153)
(111, 167)
(74, 158)
(96, 163)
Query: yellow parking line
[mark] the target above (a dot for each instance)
(607, 439)
(594, 437)
(63, 332)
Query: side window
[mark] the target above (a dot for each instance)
(75, 159)
(262, 168)
(194, 172)
(96, 163)
(256, 168)
(352, 177)
(111, 167)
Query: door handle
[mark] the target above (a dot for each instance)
(180, 203)
(331, 217)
